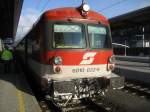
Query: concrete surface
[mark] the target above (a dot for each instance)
(15, 93)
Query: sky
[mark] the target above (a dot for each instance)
(32, 9)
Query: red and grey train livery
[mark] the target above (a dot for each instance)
(70, 52)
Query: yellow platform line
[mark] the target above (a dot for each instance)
(21, 101)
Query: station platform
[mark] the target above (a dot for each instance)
(15, 93)
(137, 71)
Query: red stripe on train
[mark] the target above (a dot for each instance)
(78, 57)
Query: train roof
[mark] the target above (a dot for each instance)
(65, 14)
(73, 13)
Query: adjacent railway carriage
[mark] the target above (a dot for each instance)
(70, 52)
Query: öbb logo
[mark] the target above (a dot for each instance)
(88, 58)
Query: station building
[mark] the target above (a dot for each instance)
(131, 32)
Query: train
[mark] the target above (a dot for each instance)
(70, 53)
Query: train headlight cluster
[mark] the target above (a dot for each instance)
(58, 60)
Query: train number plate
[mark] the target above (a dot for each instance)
(82, 70)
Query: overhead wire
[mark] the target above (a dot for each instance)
(119, 2)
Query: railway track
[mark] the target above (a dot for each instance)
(137, 89)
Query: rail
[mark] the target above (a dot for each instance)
(133, 59)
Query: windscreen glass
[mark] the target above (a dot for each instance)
(68, 36)
(98, 36)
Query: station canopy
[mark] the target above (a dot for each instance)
(128, 20)
(9, 17)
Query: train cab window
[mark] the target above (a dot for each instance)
(98, 37)
(68, 36)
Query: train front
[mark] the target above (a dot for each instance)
(80, 54)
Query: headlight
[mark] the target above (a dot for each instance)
(58, 60)
(112, 60)
(86, 7)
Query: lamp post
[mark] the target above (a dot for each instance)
(143, 38)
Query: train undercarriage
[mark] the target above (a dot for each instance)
(62, 93)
